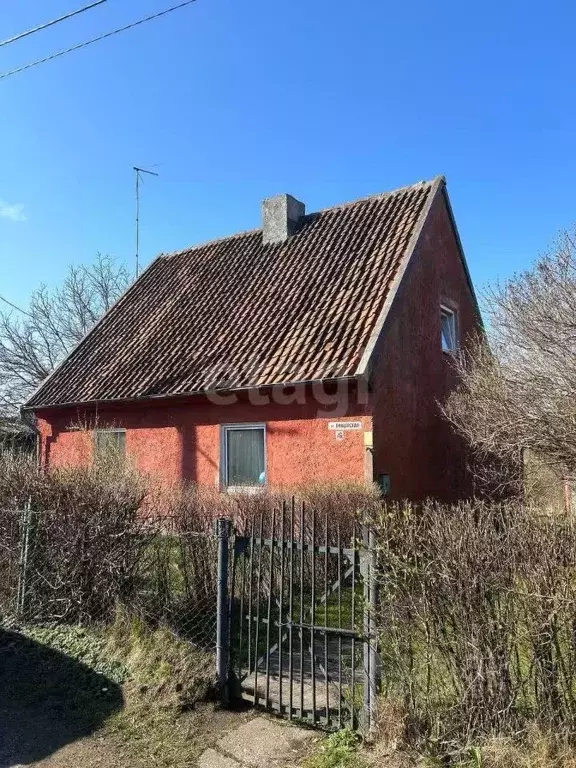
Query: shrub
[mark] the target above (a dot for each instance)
(477, 618)
(77, 538)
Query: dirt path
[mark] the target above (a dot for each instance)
(104, 749)
(260, 743)
(56, 712)
(256, 743)
(90, 752)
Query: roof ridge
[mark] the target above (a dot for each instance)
(379, 195)
(246, 232)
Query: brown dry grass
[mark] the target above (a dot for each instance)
(538, 749)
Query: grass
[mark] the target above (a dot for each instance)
(538, 749)
(166, 737)
(339, 750)
(146, 692)
(163, 666)
(330, 613)
(169, 679)
(86, 646)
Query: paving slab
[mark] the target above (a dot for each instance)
(212, 759)
(265, 743)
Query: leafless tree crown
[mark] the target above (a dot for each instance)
(519, 392)
(32, 344)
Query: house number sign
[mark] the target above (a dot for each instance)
(339, 426)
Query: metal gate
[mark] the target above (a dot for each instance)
(301, 618)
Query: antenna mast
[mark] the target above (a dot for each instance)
(137, 172)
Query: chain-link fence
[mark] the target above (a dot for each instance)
(66, 568)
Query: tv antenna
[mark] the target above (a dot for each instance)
(138, 172)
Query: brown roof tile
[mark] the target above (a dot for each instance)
(237, 313)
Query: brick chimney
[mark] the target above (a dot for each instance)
(281, 217)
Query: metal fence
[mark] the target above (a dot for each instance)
(302, 635)
(281, 610)
(58, 569)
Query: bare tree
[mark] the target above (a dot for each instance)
(33, 343)
(518, 394)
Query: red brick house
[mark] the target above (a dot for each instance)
(315, 348)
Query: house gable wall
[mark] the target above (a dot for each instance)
(411, 374)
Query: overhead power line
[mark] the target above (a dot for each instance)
(47, 24)
(95, 39)
(14, 306)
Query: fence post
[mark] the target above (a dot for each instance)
(223, 528)
(24, 561)
(371, 661)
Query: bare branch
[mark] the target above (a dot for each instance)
(32, 345)
(520, 394)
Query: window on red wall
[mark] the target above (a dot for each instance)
(110, 443)
(243, 459)
(448, 319)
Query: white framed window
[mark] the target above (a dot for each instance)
(449, 332)
(243, 456)
(110, 442)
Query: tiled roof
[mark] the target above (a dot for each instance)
(238, 313)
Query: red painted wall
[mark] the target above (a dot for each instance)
(412, 442)
(175, 441)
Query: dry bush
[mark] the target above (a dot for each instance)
(68, 536)
(336, 506)
(518, 394)
(477, 619)
(177, 569)
(99, 535)
(544, 486)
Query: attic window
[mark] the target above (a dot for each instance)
(449, 330)
(243, 459)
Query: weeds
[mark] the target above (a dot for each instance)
(89, 647)
(339, 750)
(162, 666)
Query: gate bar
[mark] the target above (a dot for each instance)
(269, 610)
(251, 582)
(281, 614)
(326, 617)
(353, 670)
(258, 613)
(313, 615)
(242, 591)
(339, 627)
(302, 506)
(290, 610)
(222, 640)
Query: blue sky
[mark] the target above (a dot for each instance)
(231, 101)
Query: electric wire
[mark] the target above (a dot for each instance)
(51, 23)
(11, 72)
(14, 306)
